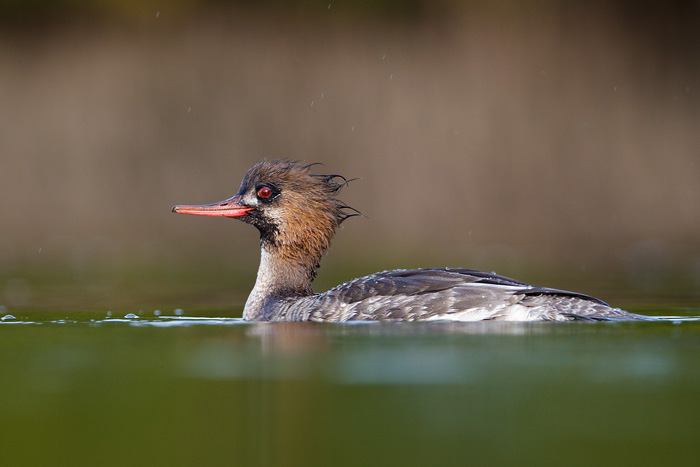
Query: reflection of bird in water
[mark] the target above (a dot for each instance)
(297, 214)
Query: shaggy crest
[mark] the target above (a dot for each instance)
(318, 190)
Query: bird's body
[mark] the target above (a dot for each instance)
(297, 214)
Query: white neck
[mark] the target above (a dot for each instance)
(277, 278)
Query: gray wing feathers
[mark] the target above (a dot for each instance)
(452, 294)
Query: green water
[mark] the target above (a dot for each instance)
(88, 389)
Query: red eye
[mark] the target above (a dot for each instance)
(264, 192)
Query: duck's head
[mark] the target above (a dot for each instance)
(290, 206)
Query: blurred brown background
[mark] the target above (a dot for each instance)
(552, 141)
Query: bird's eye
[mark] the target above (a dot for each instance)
(264, 192)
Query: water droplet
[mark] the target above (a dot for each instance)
(156, 312)
(7, 318)
(391, 76)
(353, 129)
(188, 109)
(157, 14)
(329, 6)
(178, 311)
(131, 316)
(312, 103)
(109, 313)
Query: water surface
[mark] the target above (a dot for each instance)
(84, 388)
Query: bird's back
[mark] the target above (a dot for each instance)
(442, 294)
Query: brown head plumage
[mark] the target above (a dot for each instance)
(291, 205)
(296, 212)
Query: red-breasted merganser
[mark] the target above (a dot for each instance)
(297, 214)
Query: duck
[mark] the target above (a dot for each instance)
(297, 213)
